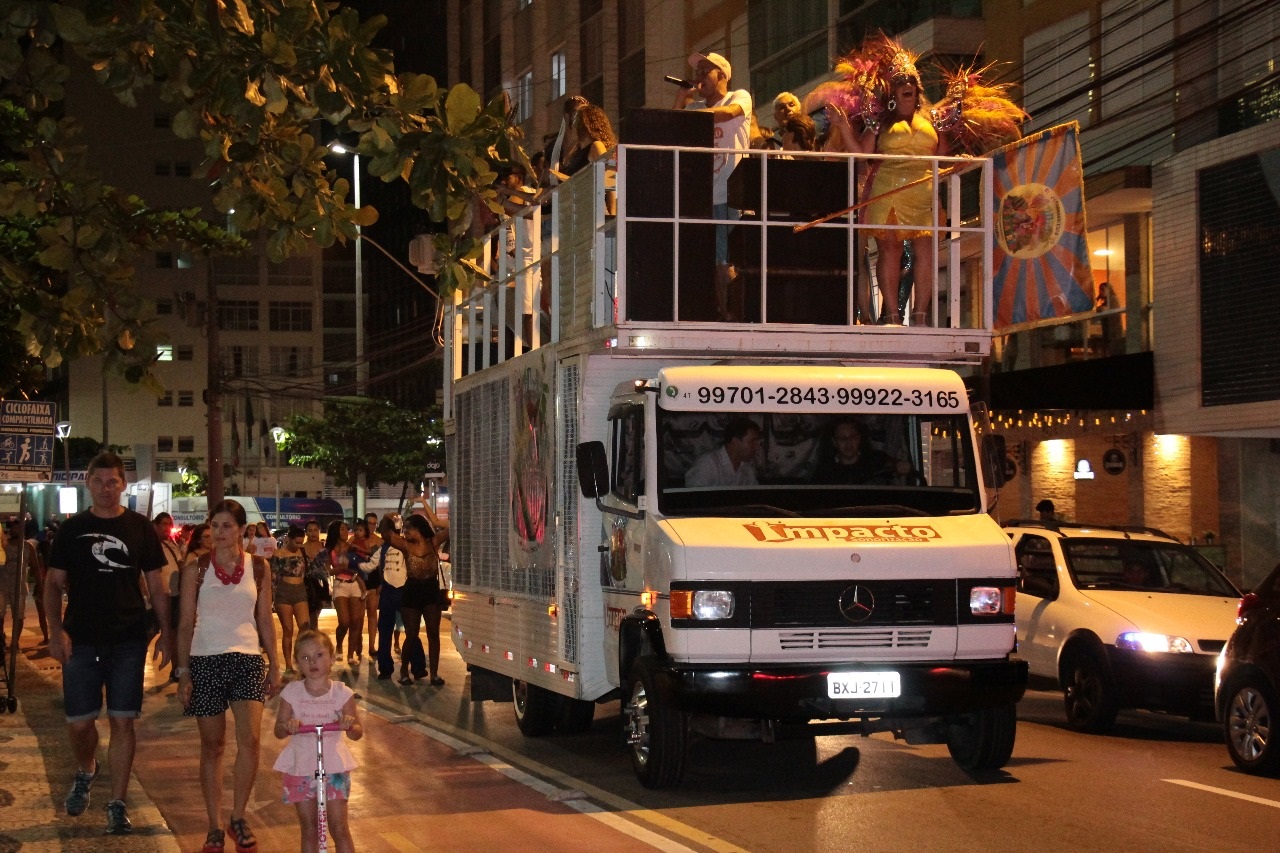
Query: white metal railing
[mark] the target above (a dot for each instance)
(559, 269)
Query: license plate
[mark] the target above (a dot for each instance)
(864, 685)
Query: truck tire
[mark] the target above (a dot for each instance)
(983, 740)
(536, 708)
(657, 733)
(1088, 695)
(575, 716)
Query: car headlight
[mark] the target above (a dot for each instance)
(1140, 641)
(701, 604)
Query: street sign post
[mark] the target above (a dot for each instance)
(26, 441)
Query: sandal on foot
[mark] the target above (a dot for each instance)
(214, 842)
(243, 836)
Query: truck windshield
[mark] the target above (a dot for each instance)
(815, 464)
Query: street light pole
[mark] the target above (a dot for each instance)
(362, 367)
(277, 435)
(64, 433)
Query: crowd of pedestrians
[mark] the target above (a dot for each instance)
(109, 582)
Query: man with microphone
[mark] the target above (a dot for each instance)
(731, 112)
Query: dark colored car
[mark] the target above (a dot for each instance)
(1248, 680)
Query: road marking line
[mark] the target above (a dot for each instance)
(1275, 804)
(465, 741)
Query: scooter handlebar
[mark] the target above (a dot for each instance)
(327, 727)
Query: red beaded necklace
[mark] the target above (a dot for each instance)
(228, 579)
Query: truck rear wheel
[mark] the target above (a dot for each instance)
(657, 733)
(983, 740)
(535, 707)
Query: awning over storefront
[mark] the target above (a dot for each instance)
(1117, 382)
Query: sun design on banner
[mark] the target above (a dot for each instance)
(1041, 255)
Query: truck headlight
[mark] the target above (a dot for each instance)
(986, 600)
(701, 604)
(1140, 641)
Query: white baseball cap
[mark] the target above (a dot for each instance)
(715, 59)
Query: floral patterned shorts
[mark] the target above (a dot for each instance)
(299, 789)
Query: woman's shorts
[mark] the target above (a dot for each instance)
(291, 593)
(346, 589)
(420, 594)
(219, 680)
(299, 789)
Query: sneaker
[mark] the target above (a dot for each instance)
(78, 800)
(118, 818)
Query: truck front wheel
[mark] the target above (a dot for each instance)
(983, 740)
(536, 708)
(657, 733)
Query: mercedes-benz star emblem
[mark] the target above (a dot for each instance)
(857, 603)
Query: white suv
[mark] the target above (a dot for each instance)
(1120, 618)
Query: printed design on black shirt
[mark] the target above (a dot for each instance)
(107, 549)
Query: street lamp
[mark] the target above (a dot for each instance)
(362, 369)
(67, 494)
(277, 435)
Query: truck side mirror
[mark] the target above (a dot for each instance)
(593, 469)
(593, 477)
(993, 455)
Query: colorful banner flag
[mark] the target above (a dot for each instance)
(1041, 254)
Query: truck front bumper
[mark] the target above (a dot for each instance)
(799, 693)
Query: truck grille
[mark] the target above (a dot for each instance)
(888, 638)
(811, 604)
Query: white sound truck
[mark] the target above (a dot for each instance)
(737, 528)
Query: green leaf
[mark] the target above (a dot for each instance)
(461, 106)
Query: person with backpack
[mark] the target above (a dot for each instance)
(389, 562)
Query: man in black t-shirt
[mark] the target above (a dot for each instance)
(98, 558)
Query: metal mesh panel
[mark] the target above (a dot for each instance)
(567, 501)
(480, 470)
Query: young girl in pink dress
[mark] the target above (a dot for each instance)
(312, 700)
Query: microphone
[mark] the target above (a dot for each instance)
(683, 84)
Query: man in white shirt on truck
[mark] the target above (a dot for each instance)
(731, 464)
(731, 112)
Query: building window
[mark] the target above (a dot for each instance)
(186, 261)
(238, 315)
(163, 169)
(1057, 72)
(182, 169)
(559, 75)
(165, 399)
(185, 352)
(164, 443)
(164, 352)
(524, 97)
(160, 120)
(186, 444)
(164, 307)
(289, 361)
(289, 316)
(592, 37)
(291, 271)
(164, 260)
(238, 361)
(186, 398)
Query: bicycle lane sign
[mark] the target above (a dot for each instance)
(26, 441)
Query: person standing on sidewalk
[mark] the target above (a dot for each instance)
(101, 643)
(391, 593)
(226, 613)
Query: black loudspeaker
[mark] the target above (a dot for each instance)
(650, 187)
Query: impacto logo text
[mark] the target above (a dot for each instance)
(781, 531)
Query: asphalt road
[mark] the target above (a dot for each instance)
(1154, 783)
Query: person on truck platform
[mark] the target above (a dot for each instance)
(731, 464)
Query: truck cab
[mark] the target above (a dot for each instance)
(843, 571)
